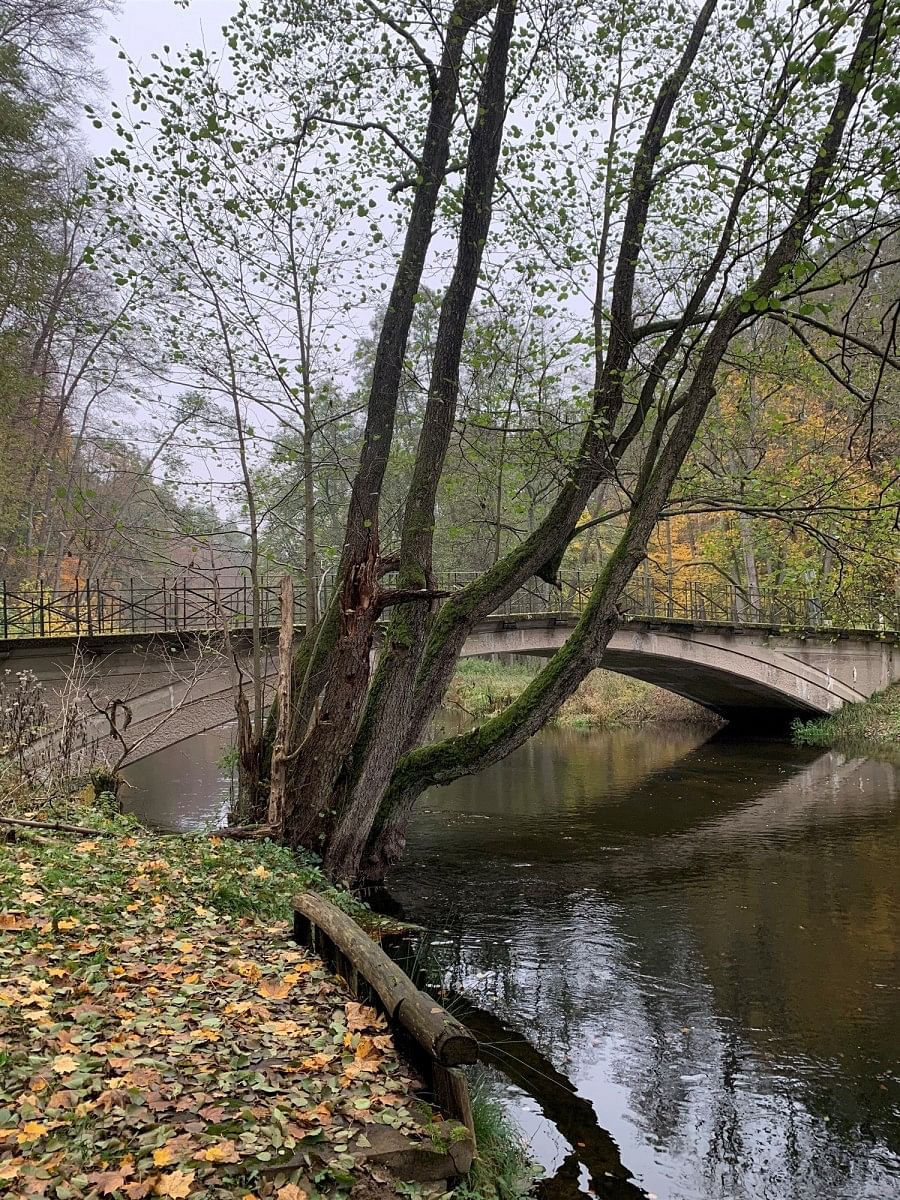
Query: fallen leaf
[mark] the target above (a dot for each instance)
(290, 1191)
(31, 1131)
(111, 1181)
(362, 1016)
(65, 1064)
(274, 991)
(176, 1184)
(15, 921)
(138, 1189)
(224, 1152)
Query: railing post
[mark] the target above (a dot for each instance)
(41, 608)
(5, 613)
(165, 606)
(87, 605)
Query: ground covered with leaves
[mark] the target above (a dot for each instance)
(160, 1035)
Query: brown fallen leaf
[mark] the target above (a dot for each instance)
(362, 1016)
(15, 921)
(271, 990)
(138, 1189)
(290, 1191)
(111, 1181)
(175, 1184)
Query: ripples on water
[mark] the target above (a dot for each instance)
(701, 935)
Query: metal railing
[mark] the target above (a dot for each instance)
(92, 609)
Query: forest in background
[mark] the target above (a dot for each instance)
(160, 416)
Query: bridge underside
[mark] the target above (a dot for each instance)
(748, 702)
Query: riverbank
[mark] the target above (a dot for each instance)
(871, 728)
(161, 1035)
(482, 688)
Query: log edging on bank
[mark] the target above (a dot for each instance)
(440, 1042)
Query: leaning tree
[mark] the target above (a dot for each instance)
(660, 176)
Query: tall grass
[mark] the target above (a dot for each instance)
(502, 1167)
(872, 727)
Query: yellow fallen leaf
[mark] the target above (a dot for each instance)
(68, 923)
(224, 1151)
(15, 921)
(86, 847)
(298, 972)
(162, 1157)
(315, 1062)
(260, 872)
(282, 1028)
(184, 947)
(176, 1184)
(366, 1049)
(31, 1131)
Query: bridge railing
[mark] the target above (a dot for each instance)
(90, 609)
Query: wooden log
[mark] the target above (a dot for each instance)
(443, 1037)
(451, 1095)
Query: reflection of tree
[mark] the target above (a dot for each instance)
(501, 1045)
(718, 933)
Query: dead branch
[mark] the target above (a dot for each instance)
(58, 826)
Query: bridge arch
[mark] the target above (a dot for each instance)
(736, 673)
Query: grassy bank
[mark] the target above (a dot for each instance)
(162, 1036)
(869, 728)
(481, 688)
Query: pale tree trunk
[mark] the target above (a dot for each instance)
(278, 774)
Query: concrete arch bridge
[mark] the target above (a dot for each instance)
(749, 668)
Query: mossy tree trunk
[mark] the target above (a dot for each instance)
(356, 759)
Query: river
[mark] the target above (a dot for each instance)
(683, 947)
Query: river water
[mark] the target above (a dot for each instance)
(684, 949)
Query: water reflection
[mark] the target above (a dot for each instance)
(703, 937)
(185, 787)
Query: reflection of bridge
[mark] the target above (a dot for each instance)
(749, 672)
